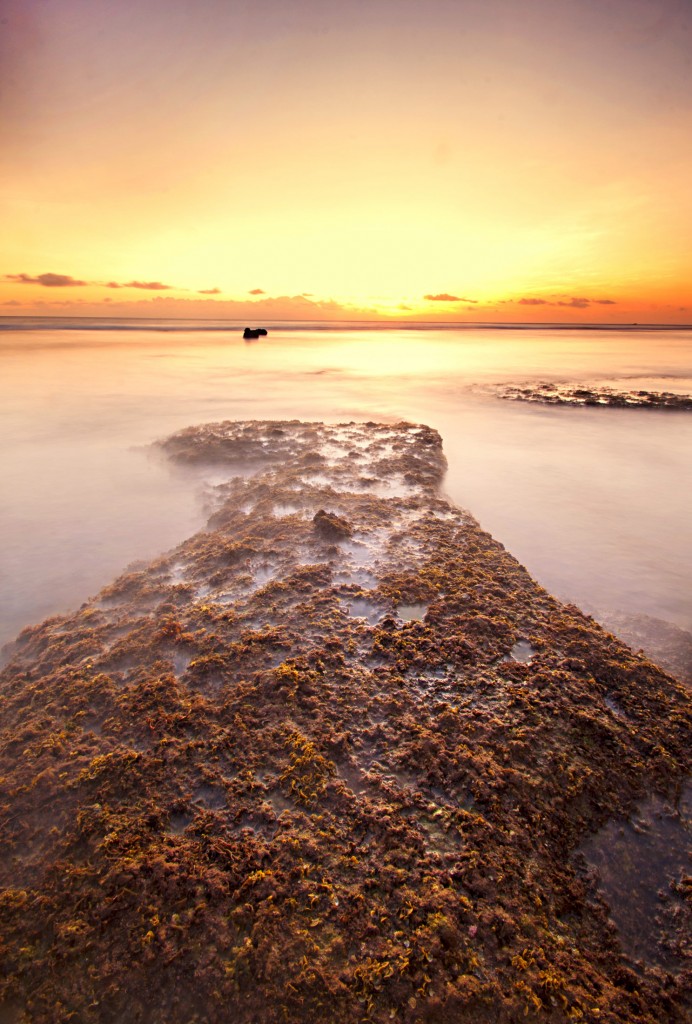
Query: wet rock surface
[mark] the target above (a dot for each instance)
(666, 644)
(289, 774)
(644, 863)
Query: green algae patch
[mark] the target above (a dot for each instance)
(337, 757)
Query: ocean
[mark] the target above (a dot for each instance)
(594, 501)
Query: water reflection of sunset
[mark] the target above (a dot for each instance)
(494, 162)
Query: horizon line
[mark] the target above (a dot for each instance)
(379, 322)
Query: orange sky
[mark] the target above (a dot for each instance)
(452, 160)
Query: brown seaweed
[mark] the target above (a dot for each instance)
(226, 795)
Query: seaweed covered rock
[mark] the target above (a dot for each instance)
(271, 779)
(331, 526)
(598, 395)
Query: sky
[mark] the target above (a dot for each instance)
(443, 160)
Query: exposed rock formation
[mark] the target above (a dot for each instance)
(618, 398)
(294, 774)
(331, 526)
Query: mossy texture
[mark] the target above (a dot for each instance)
(229, 797)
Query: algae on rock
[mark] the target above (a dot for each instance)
(229, 796)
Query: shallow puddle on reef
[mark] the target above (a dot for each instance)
(279, 802)
(210, 796)
(361, 608)
(262, 574)
(177, 823)
(636, 865)
(439, 838)
(361, 576)
(412, 612)
(392, 487)
(93, 725)
(281, 511)
(319, 480)
(353, 778)
(404, 780)
(613, 706)
(522, 651)
(333, 451)
(365, 548)
(180, 661)
(437, 685)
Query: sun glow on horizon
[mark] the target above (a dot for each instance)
(225, 158)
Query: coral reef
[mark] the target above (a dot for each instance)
(336, 758)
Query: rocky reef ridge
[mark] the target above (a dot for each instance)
(560, 393)
(337, 757)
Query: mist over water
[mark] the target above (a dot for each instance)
(593, 501)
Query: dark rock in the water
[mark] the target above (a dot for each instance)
(250, 333)
(331, 526)
(240, 785)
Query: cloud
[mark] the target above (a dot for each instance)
(148, 286)
(571, 302)
(257, 291)
(209, 291)
(14, 302)
(281, 307)
(444, 297)
(47, 280)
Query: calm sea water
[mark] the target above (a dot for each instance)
(595, 502)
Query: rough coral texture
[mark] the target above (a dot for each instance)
(289, 774)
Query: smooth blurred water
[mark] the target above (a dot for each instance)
(594, 501)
